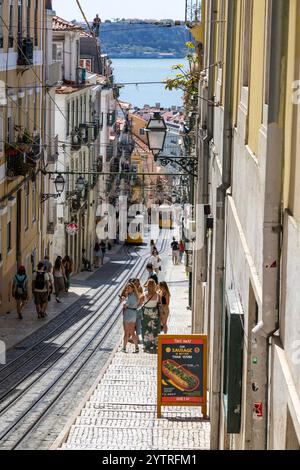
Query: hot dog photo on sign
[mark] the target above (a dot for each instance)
(182, 372)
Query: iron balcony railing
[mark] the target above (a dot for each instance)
(193, 11)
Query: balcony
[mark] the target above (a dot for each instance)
(18, 163)
(25, 52)
(195, 18)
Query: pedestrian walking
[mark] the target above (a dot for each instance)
(103, 251)
(130, 305)
(155, 260)
(151, 274)
(47, 264)
(181, 248)
(86, 263)
(138, 326)
(68, 269)
(152, 246)
(97, 255)
(40, 289)
(165, 297)
(150, 317)
(175, 251)
(20, 290)
(59, 278)
(48, 270)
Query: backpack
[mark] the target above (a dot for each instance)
(40, 281)
(175, 246)
(20, 284)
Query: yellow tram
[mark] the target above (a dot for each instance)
(135, 224)
(166, 217)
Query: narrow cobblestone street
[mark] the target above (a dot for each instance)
(121, 413)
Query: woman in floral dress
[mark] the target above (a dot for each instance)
(150, 320)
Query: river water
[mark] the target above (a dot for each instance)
(147, 70)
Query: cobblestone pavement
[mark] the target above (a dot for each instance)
(121, 413)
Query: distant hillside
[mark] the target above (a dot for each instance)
(143, 40)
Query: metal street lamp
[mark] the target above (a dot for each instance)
(80, 184)
(156, 133)
(59, 184)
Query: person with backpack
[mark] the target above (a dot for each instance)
(175, 251)
(20, 290)
(40, 289)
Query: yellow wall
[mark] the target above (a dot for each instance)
(292, 118)
(256, 88)
(23, 78)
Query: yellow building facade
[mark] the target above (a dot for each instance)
(248, 276)
(22, 123)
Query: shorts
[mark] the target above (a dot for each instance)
(20, 296)
(129, 316)
(40, 298)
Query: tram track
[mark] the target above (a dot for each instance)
(21, 416)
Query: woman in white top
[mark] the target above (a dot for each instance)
(155, 260)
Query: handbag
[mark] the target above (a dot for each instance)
(141, 309)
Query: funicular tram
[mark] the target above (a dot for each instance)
(166, 217)
(135, 224)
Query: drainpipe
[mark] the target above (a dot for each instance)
(269, 318)
(202, 195)
(219, 233)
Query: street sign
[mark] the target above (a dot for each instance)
(182, 371)
(72, 229)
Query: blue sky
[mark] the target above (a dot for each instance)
(158, 9)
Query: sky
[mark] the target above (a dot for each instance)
(154, 9)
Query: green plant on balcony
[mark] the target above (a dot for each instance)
(187, 79)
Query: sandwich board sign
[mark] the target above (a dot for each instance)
(182, 371)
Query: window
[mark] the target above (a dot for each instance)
(84, 109)
(247, 41)
(28, 17)
(26, 215)
(36, 37)
(221, 34)
(68, 119)
(1, 24)
(268, 49)
(8, 233)
(57, 52)
(73, 116)
(142, 132)
(10, 130)
(33, 201)
(20, 20)
(11, 24)
(81, 110)
(77, 112)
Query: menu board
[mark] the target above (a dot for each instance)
(182, 371)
